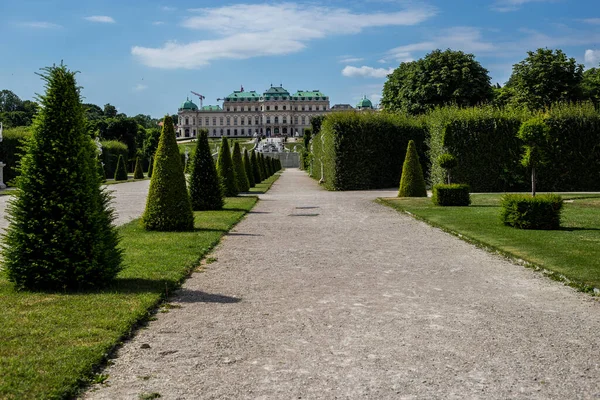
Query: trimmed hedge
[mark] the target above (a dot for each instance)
(356, 151)
(121, 172)
(11, 150)
(456, 194)
(111, 150)
(412, 182)
(527, 212)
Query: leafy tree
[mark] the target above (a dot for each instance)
(93, 112)
(412, 182)
(9, 101)
(138, 172)
(535, 134)
(151, 141)
(60, 235)
(168, 206)
(248, 168)
(110, 111)
(255, 167)
(225, 169)
(206, 192)
(315, 124)
(448, 162)
(590, 86)
(545, 77)
(121, 170)
(440, 78)
(241, 180)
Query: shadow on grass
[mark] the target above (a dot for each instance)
(577, 228)
(209, 230)
(197, 296)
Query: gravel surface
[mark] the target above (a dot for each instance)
(327, 295)
(129, 202)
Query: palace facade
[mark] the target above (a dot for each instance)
(275, 112)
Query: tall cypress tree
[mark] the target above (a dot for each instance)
(168, 206)
(225, 169)
(412, 182)
(60, 235)
(241, 180)
(255, 167)
(263, 169)
(138, 173)
(205, 188)
(248, 168)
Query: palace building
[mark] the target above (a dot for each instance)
(275, 112)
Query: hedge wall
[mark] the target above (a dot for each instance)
(360, 151)
(13, 140)
(111, 150)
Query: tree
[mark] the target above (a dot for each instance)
(255, 167)
(262, 166)
(545, 77)
(448, 162)
(168, 206)
(241, 180)
(315, 123)
(60, 235)
(205, 188)
(412, 182)
(534, 133)
(9, 101)
(121, 170)
(138, 172)
(248, 168)
(440, 78)
(225, 169)
(110, 111)
(590, 86)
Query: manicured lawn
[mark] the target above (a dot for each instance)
(265, 185)
(51, 342)
(573, 251)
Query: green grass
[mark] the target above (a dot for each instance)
(265, 185)
(571, 254)
(214, 143)
(50, 343)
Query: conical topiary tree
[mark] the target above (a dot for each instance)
(263, 167)
(241, 180)
(150, 166)
(412, 182)
(226, 171)
(138, 173)
(168, 206)
(60, 235)
(255, 167)
(205, 188)
(121, 171)
(248, 169)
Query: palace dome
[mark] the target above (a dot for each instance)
(188, 105)
(364, 103)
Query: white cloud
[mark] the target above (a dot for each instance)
(139, 87)
(513, 5)
(592, 58)
(158, 23)
(350, 60)
(167, 8)
(105, 19)
(247, 30)
(593, 21)
(366, 72)
(40, 25)
(375, 98)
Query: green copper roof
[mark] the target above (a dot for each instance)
(275, 91)
(364, 103)
(239, 95)
(188, 105)
(305, 93)
(211, 108)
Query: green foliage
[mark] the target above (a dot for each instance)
(534, 133)
(269, 165)
(358, 151)
(168, 206)
(241, 180)
(14, 112)
(205, 188)
(254, 160)
(262, 167)
(447, 161)
(226, 170)
(590, 86)
(111, 150)
(412, 183)
(451, 195)
(440, 78)
(121, 171)
(248, 169)
(138, 173)
(60, 235)
(11, 150)
(527, 212)
(315, 123)
(544, 78)
(150, 167)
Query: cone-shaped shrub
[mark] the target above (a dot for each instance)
(248, 168)
(226, 171)
(168, 206)
(150, 166)
(263, 167)
(412, 182)
(138, 173)
(121, 171)
(241, 180)
(255, 167)
(60, 235)
(206, 192)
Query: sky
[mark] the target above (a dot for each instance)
(146, 57)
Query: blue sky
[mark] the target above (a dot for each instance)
(146, 57)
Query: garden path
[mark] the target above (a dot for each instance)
(320, 294)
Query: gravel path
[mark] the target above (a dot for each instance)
(325, 295)
(129, 202)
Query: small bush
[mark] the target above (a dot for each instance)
(451, 195)
(527, 212)
(121, 172)
(137, 172)
(412, 182)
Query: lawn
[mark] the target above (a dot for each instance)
(52, 342)
(573, 252)
(265, 185)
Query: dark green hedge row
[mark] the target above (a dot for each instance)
(526, 212)
(111, 150)
(455, 194)
(356, 151)
(11, 150)
(484, 141)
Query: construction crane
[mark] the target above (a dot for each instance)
(199, 96)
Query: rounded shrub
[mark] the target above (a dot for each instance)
(412, 182)
(138, 173)
(248, 169)
(241, 180)
(451, 194)
(529, 212)
(60, 235)
(255, 167)
(168, 206)
(225, 170)
(121, 171)
(205, 188)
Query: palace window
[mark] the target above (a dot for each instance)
(268, 108)
(302, 108)
(296, 120)
(276, 107)
(214, 121)
(228, 132)
(194, 121)
(296, 108)
(283, 108)
(214, 132)
(227, 108)
(221, 121)
(276, 120)
(242, 121)
(235, 132)
(284, 120)
(255, 108)
(221, 132)
(309, 108)
(303, 120)
(228, 121)
(243, 132)
(235, 120)
(268, 120)
(207, 120)
(187, 121)
(256, 120)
